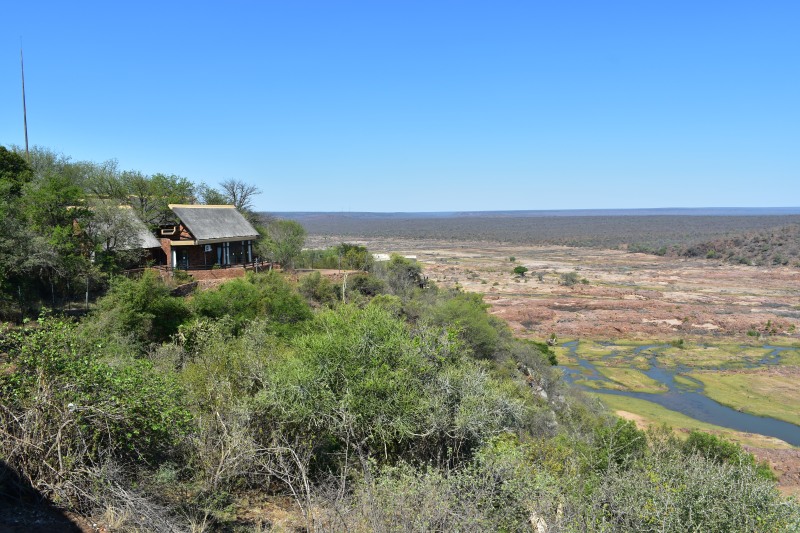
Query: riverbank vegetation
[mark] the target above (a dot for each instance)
(649, 414)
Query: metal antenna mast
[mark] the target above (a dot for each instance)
(24, 108)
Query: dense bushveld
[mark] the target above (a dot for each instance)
(408, 408)
(648, 233)
(376, 403)
(766, 247)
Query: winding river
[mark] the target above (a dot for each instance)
(687, 398)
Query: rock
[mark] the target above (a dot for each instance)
(538, 525)
(184, 290)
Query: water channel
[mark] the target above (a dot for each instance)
(686, 398)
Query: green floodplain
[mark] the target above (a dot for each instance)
(747, 377)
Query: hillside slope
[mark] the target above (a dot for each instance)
(769, 246)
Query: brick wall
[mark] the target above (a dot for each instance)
(166, 247)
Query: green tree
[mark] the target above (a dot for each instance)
(103, 181)
(210, 196)
(282, 241)
(53, 208)
(14, 173)
(150, 196)
(520, 270)
(354, 257)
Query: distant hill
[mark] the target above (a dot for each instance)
(635, 230)
(543, 213)
(770, 246)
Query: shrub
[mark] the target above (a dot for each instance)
(360, 379)
(466, 313)
(618, 445)
(401, 274)
(366, 284)
(259, 295)
(283, 306)
(318, 288)
(669, 491)
(569, 278)
(142, 308)
(66, 411)
(238, 299)
(720, 451)
(357, 377)
(520, 270)
(498, 491)
(354, 256)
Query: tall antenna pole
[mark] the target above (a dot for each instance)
(24, 108)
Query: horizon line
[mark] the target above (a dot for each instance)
(706, 210)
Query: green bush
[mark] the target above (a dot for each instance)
(401, 275)
(315, 286)
(618, 445)
(66, 410)
(719, 450)
(343, 256)
(238, 299)
(366, 284)
(497, 491)
(259, 295)
(466, 312)
(667, 490)
(361, 379)
(389, 303)
(141, 308)
(354, 257)
(284, 307)
(357, 376)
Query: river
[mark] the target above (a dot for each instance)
(687, 398)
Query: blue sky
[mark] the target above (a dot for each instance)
(422, 106)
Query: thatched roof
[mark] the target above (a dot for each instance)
(214, 222)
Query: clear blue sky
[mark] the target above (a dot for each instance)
(422, 105)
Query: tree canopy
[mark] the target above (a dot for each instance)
(282, 241)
